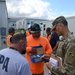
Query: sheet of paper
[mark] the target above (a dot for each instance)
(53, 61)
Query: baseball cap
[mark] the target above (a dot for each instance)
(59, 19)
(35, 28)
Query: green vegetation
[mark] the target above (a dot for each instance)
(20, 30)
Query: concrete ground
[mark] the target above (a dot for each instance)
(46, 71)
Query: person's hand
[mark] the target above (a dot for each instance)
(34, 51)
(45, 58)
(49, 65)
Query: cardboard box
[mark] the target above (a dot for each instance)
(40, 49)
(36, 57)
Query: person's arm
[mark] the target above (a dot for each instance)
(57, 43)
(48, 49)
(56, 70)
(28, 49)
(31, 50)
(68, 67)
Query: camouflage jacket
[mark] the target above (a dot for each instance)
(66, 50)
(64, 44)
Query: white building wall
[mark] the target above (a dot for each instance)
(44, 25)
(71, 25)
(25, 22)
(12, 24)
(20, 24)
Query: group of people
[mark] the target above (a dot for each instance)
(12, 62)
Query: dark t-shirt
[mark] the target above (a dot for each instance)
(54, 39)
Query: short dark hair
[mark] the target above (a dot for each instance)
(17, 37)
(48, 29)
(60, 19)
(11, 30)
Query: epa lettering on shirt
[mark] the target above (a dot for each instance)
(4, 62)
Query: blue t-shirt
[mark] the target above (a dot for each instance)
(54, 39)
(13, 63)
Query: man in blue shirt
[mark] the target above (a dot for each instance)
(54, 41)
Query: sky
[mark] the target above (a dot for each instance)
(42, 9)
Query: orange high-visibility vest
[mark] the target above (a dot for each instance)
(8, 43)
(48, 37)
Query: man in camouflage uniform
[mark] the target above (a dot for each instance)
(66, 48)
